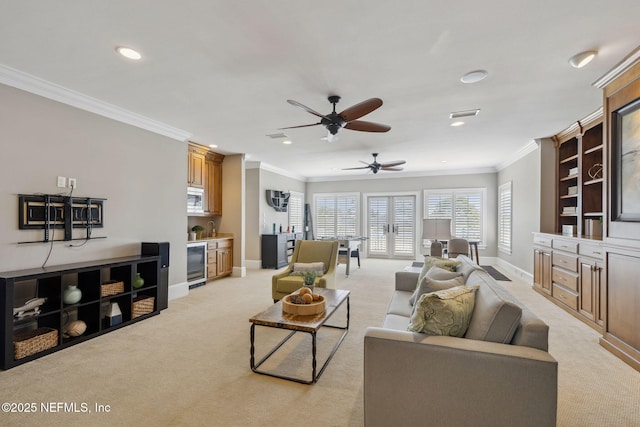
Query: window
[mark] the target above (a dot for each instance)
(296, 211)
(465, 207)
(504, 217)
(336, 214)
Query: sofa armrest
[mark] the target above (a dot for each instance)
(406, 281)
(411, 378)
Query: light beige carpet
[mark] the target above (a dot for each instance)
(190, 365)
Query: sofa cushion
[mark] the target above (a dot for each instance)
(496, 315)
(466, 267)
(445, 312)
(400, 304)
(396, 322)
(431, 283)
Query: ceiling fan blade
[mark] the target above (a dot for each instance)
(301, 126)
(305, 108)
(394, 163)
(386, 168)
(365, 107)
(367, 126)
(348, 169)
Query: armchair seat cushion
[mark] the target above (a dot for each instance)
(291, 284)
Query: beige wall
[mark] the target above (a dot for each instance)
(524, 175)
(141, 174)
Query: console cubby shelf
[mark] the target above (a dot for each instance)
(19, 287)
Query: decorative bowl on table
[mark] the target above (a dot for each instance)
(307, 309)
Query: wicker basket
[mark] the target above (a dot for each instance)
(142, 305)
(32, 342)
(112, 287)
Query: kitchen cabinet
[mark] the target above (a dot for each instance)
(213, 183)
(219, 258)
(196, 167)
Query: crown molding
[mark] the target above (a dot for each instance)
(269, 168)
(27, 82)
(618, 69)
(529, 148)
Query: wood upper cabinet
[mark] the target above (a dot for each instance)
(196, 169)
(205, 171)
(213, 187)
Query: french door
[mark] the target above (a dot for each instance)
(391, 226)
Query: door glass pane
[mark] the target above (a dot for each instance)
(404, 212)
(378, 211)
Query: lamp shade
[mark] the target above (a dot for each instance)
(436, 229)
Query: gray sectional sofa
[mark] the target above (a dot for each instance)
(499, 374)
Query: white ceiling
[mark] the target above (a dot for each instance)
(223, 70)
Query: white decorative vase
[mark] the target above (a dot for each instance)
(71, 295)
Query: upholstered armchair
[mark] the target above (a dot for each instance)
(307, 251)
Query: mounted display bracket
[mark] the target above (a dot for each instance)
(46, 212)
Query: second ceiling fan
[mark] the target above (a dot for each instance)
(347, 119)
(375, 166)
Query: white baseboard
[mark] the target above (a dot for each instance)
(253, 264)
(239, 272)
(524, 275)
(178, 290)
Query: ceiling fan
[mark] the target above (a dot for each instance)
(375, 166)
(345, 119)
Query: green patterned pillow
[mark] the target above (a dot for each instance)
(446, 312)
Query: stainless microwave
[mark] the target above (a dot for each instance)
(195, 200)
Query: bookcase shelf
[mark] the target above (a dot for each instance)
(47, 286)
(579, 156)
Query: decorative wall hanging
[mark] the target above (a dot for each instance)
(279, 200)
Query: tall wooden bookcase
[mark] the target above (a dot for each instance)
(580, 177)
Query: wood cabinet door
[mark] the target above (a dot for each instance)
(196, 169)
(216, 189)
(586, 293)
(542, 270)
(546, 271)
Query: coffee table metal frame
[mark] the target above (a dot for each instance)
(297, 323)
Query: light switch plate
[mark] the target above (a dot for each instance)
(62, 182)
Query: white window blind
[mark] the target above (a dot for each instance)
(336, 214)
(296, 211)
(504, 217)
(465, 208)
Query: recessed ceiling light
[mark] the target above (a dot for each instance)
(474, 76)
(456, 124)
(581, 59)
(286, 142)
(213, 146)
(127, 52)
